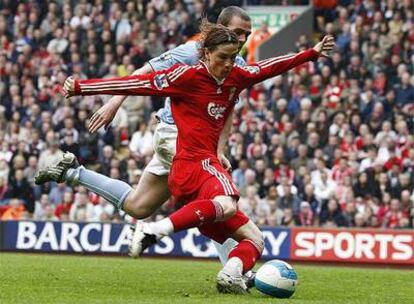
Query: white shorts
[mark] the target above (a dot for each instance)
(164, 141)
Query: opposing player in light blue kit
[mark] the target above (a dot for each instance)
(152, 190)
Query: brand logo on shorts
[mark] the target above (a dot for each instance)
(215, 110)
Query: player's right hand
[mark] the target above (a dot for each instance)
(103, 117)
(224, 161)
(69, 87)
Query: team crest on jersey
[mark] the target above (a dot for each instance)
(160, 81)
(231, 94)
(215, 110)
(251, 69)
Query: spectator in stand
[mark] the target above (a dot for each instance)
(306, 216)
(288, 199)
(56, 193)
(59, 44)
(3, 189)
(359, 221)
(394, 216)
(249, 204)
(288, 219)
(51, 152)
(40, 207)
(44, 210)
(349, 213)
(141, 142)
(30, 171)
(406, 201)
(68, 144)
(370, 160)
(366, 186)
(20, 188)
(255, 40)
(63, 208)
(404, 92)
(14, 212)
(102, 211)
(49, 213)
(302, 158)
(275, 213)
(4, 170)
(105, 161)
(341, 170)
(309, 197)
(81, 209)
(332, 215)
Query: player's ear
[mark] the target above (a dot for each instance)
(207, 54)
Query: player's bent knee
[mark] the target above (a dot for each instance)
(228, 206)
(258, 241)
(141, 212)
(136, 207)
(252, 233)
(256, 236)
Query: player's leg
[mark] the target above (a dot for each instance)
(224, 249)
(212, 186)
(194, 214)
(215, 201)
(250, 244)
(151, 192)
(68, 170)
(241, 259)
(232, 278)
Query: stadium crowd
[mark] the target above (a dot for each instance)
(328, 144)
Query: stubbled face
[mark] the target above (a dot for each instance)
(220, 61)
(241, 28)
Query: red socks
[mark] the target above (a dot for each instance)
(247, 252)
(196, 214)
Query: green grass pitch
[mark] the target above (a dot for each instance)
(41, 278)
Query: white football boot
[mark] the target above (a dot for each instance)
(140, 238)
(230, 278)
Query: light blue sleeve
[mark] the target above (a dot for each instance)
(240, 61)
(186, 53)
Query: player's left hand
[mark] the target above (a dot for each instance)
(103, 117)
(325, 46)
(69, 87)
(224, 162)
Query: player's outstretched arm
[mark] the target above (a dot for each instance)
(164, 83)
(271, 67)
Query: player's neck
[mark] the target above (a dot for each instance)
(218, 80)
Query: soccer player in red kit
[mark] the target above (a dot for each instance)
(203, 96)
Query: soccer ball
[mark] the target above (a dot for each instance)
(277, 279)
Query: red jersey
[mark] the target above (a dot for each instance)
(200, 103)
